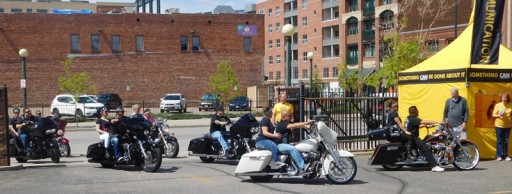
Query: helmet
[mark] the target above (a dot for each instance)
(119, 109)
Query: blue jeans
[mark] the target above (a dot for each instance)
(115, 143)
(293, 152)
(24, 139)
(218, 135)
(502, 135)
(268, 145)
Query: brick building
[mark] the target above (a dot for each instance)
(139, 56)
(348, 30)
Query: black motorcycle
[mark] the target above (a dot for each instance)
(239, 138)
(41, 142)
(167, 141)
(135, 145)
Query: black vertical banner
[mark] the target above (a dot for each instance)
(487, 31)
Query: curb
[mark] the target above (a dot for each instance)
(9, 168)
(45, 165)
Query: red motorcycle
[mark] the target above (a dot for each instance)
(63, 142)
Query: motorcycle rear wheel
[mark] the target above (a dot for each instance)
(65, 150)
(261, 178)
(346, 174)
(174, 149)
(392, 167)
(207, 159)
(21, 160)
(154, 160)
(55, 154)
(466, 161)
(107, 165)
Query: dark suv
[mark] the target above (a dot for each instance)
(209, 101)
(110, 100)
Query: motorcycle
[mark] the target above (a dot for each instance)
(446, 145)
(63, 142)
(41, 143)
(320, 158)
(239, 138)
(168, 142)
(135, 145)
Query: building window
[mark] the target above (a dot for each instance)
(269, 13)
(278, 75)
(304, 4)
(305, 73)
(433, 45)
(16, 10)
(139, 43)
(304, 56)
(304, 21)
(295, 73)
(314, 12)
(116, 43)
(270, 60)
(95, 43)
(304, 39)
(278, 59)
(29, 10)
(184, 43)
(262, 11)
(326, 72)
(386, 19)
(369, 50)
(1, 10)
(352, 26)
(75, 43)
(271, 75)
(196, 43)
(387, 2)
(269, 44)
(278, 11)
(353, 54)
(335, 72)
(278, 43)
(247, 44)
(41, 10)
(269, 28)
(352, 5)
(278, 26)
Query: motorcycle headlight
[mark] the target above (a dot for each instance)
(146, 132)
(60, 132)
(50, 131)
(457, 132)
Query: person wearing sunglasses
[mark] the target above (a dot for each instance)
(23, 125)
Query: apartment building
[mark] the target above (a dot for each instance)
(350, 31)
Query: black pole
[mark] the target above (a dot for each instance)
(150, 6)
(158, 6)
(301, 109)
(456, 14)
(310, 87)
(288, 61)
(143, 6)
(6, 121)
(23, 78)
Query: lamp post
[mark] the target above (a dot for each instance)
(310, 57)
(23, 54)
(288, 31)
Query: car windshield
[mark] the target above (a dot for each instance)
(85, 99)
(103, 97)
(172, 97)
(208, 97)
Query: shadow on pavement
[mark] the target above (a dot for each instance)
(318, 181)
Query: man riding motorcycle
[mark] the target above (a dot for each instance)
(218, 128)
(22, 125)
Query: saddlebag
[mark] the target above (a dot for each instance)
(254, 161)
(387, 153)
(96, 151)
(198, 145)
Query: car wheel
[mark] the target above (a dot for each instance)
(56, 112)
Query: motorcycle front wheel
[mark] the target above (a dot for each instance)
(173, 149)
(343, 174)
(55, 154)
(153, 161)
(466, 157)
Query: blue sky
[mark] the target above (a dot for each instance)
(193, 6)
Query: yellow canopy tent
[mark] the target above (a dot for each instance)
(427, 86)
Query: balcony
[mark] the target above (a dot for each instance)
(290, 13)
(330, 3)
(331, 41)
(369, 11)
(369, 35)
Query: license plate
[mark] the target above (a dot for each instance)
(237, 106)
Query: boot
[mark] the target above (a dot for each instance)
(409, 158)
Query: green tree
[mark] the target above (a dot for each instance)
(350, 80)
(75, 83)
(224, 81)
(316, 83)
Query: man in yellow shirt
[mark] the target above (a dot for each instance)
(280, 107)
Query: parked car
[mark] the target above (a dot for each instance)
(84, 106)
(240, 103)
(173, 102)
(110, 100)
(209, 101)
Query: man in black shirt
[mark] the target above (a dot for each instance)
(13, 131)
(218, 128)
(22, 125)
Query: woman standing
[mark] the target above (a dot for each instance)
(502, 112)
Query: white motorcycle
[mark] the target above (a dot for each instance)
(320, 158)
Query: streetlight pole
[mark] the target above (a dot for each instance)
(455, 2)
(288, 32)
(23, 54)
(310, 57)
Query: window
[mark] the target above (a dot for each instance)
(387, 2)
(295, 73)
(304, 39)
(335, 72)
(269, 13)
(352, 5)
(269, 44)
(353, 54)
(352, 26)
(314, 12)
(270, 75)
(278, 43)
(304, 21)
(305, 73)
(116, 43)
(270, 60)
(278, 11)
(95, 43)
(262, 11)
(247, 44)
(278, 59)
(278, 26)
(139, 43)
(41, 10)
(269, 28)
(304, 56)
(184, 43)
(326, 72)
(29, 10)
(278, 75)
(304, 4)
(433, 45)
(16, 10)
(369, 50)
(1, 10)
(387, 20)
(75, 43)
(196, 43)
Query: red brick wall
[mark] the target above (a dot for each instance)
(162, 68)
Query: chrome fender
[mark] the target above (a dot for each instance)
(329, 159)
